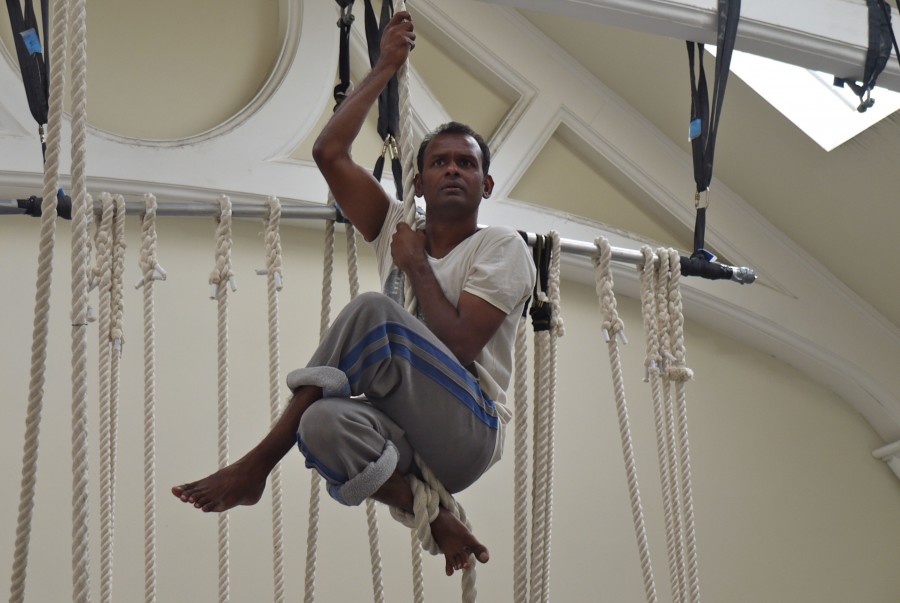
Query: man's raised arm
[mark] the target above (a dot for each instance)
(360, 196)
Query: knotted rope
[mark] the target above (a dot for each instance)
(219, 279)
(653, 366)
(613, 330)
(151, 271)
(40, 329)
(102, 278)
(408, 163)
(678, 373)
(81, 210)
(274, 284)
(674, 477)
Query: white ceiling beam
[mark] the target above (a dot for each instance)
(824, 35)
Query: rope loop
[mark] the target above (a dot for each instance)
(612, 325)
(222, 271)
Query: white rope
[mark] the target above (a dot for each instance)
(407, 161)
(220, 278)
(428, 496)
(103, 279)
(557, 330)
(652, 364)
(371, 512)
(520, 509)
(151, 271)
(612, 331)
(274, 283)
(539, 474)
(678, 372)
(81, 209)
(40, 329)
(674, 476)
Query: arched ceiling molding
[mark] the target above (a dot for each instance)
(242, 155)
(824, 35)
(821, 326)
(481, 60)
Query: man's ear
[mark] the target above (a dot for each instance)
(417, 183)
(488, 186)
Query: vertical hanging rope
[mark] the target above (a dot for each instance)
(315, 481)
(679, 374)
(151, 271)
(81, 209)
(539, 474)
(520, 510)
(371, 512)
(274, 283)
(220, 278)
(674, 478)
(40, 328)
(652, 364)
(557, 330)
(612, 331)
(407, 160)
(103, 280)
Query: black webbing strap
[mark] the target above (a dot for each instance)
(344, 23)
(34, 58)
(541, 311)
(388, 100)
(886, 9)
(705, 122)
(877, 55)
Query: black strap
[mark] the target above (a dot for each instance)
(541, 311)
(388, 99)
(345, 22)
(33, 58)
(705, 119)
(881, 36)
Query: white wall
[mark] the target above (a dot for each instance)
(790, 505)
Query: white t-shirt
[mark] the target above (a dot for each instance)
(494, 264)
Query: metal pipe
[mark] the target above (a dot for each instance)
(690, 267)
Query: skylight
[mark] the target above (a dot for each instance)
(824, 112)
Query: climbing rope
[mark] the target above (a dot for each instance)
(407, 161)
(220, 278)
(40, 329)
(102, 278)
(81, 210)
(151, 271)
(274, 284)
(613, 330)
(674, 476)
(678, 373)
(653, 367)
(520, 470)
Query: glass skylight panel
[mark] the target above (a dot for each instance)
(825, 113)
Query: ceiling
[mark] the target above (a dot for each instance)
(588, 124)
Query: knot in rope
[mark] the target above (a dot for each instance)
(273, 243)
(612, 324)
(557, 326)
(648, 297)
(150, 268)
(222, 272)
(116, 329)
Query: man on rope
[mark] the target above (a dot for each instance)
(432, 386)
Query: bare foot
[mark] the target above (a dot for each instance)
(456, 542)
(241, 483)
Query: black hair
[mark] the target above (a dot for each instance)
(454, 127)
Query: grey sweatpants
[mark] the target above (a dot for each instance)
(413, 396)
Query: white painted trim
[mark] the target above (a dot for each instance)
(824, 35)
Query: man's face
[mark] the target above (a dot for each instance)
(452, 180)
